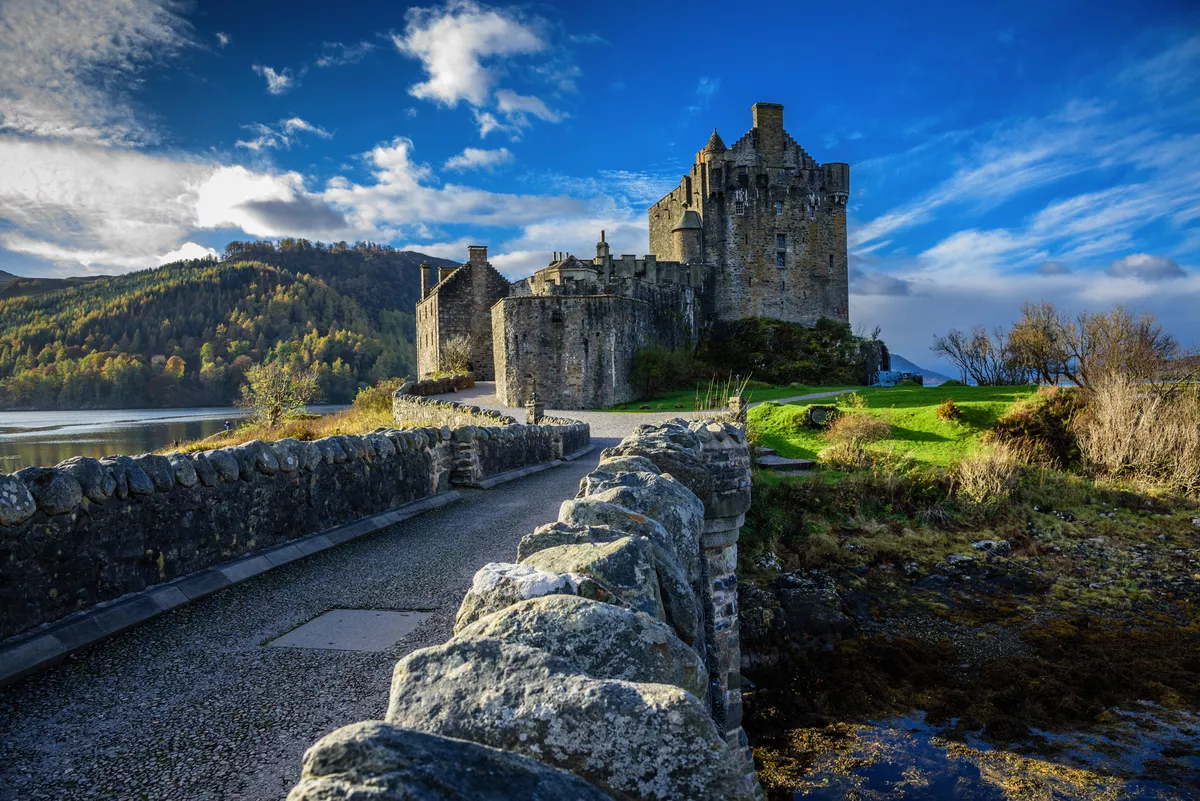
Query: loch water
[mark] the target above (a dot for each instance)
(47, 438)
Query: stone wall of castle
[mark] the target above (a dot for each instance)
(602, 664)
(774, 226)
(574, 344)
(459, 305)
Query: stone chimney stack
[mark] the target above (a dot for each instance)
(426, 279)
(768, 129)
(477, 255)
(443, 272)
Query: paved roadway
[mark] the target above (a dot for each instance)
(193, 705)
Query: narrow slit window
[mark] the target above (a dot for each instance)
(780, 241)
(779, 207)
(831, 262)
(780, 258)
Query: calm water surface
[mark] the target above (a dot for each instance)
(47, 438)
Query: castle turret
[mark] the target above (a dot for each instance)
(689, 237)
(426, 278)
(604, 258)
(836, 179)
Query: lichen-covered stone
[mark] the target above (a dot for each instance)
(601, 640)
(205, 472)
(594, 512)
(382, 446)
(377, 761)
(226, 465)
(667, 456)
(159, 469)
(616, 463)
(184, 469)
(632, 740)
(660, 498)
(16, 501)
(95, 479)
(499, 584)
(285, 455)
(137, 482)
(55, 491)
(554, 534)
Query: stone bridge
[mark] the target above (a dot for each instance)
(220, 697)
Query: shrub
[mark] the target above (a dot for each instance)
(657, 370)
(853, 402)
(846, 456)
(379, 397)
(1138, 431)
(953, 382)
(949, 411)
(908, 382)
(988, 476)
(1042, 426)
(273, 392)
(858, 429)
(456, 356)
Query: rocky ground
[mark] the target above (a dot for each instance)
(1055, 655)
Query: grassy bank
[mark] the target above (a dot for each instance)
(912, 412)
(1036, 639)
(687, 399)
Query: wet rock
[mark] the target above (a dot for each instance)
(16, 501)
(56, 492)
(632, 740)
(184, 469)
(158, 469)
(376, 761)
(998, 547)
(500, 584)
(601, 640)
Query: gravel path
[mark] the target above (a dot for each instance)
(193, 705)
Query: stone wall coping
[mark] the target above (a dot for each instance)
(437, 386)
(48, 644)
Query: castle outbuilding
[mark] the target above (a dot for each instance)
(753, 230)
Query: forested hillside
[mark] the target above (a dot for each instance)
(185, 333)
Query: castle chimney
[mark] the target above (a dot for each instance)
(477, 254)
(768, 127)
(426, 279)
(444, 273)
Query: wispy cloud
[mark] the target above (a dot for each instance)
(53, 54)
(222, 39)
(278, 82)
(336, 54)
(473, 158)
(282, 135)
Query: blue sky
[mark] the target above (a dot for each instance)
(999, 152)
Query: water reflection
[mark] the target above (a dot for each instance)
(47, 438)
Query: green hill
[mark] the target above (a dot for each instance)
(185, 333)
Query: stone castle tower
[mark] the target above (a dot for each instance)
(768, 219)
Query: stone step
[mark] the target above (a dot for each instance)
(760, 452)
(784, 464)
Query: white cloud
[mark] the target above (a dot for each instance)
(281, 135)
(454, 41)
(279, 82)
(188, 250)
(55, 54)
(222, 39)
(473, 158)
(1052, 268)
(1145, 267)
(464, 48)
(336, 54)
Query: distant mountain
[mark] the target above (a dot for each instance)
(15, 286)
(185, 333)
(931, 377)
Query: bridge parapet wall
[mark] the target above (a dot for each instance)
(607, 653)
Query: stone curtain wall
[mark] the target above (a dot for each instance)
(93, 530)
(90, 530)
(600, 665)
(438, 386)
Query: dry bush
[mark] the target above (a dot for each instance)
(846, 457)
(1042, 426)
(1142, 432)
(949, 411)
(988, 476)
(858, 429)
(455, 356)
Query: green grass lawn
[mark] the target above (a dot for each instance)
(686, 398)
(912, 411)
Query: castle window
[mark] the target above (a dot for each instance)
(742, 170)
(739, 207)
(780, 258)
(779, 207)
(831, 264)
(780, 242)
